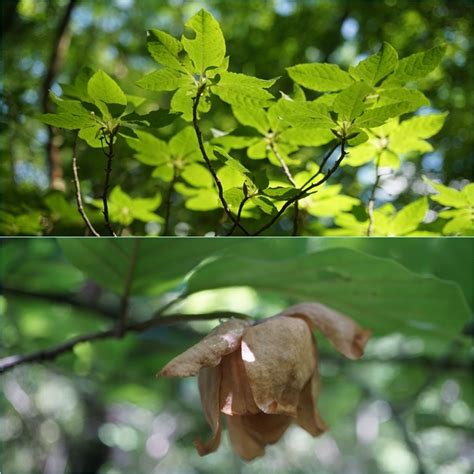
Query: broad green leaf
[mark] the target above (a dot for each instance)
(305, 114)
(150, 150)
(101, 87)
(378, 115)
(461, 225)
(166, 79)
(207, 49)
(160, 265)
(360, 155)
(264, 204)
(184, 143)
(388, 159)
(306, 137)
(91, 135)
(252, 117)
(327, 202)
(377, 66)
(396, 94)
(447, 196)
(182, 103)
(67, 121)
(154, 119)
(198, 176)
(468, 191)
(320, 77)
(164, 48)
(243, 91)
(350, 103)
(124, 209)
(231, 142)
(378, 293)
(411, 134)
(409, 217)
(417, 65)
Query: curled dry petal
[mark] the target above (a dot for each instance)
(279, 358)
(242, 443)
(344, 333)
(223, 340)
(308, 415)
(209, 381)
(250, 434)
(235, 394)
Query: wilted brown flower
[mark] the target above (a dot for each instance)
(264, 376)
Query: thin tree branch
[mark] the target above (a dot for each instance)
(371, 202)
(239, 214)
(109, 153)
(10, 362)
(304, 190)
(127, 285)
(77, 186)
(168, 202)
(59, 48)
(217, 181)
(289, 176)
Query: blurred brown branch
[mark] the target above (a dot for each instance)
(8, 363)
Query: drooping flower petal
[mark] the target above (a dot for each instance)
(243, 444)
(308, 415)
(208, 352)
(266, 429)
(209, 381)
(279, 359)
(235, 394)
(343, 333)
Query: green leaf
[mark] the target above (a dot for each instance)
(124, 209)
(378, 115)
(396, 94)
(151, 150)
(309, 115)
(448, 196)
(243, 91)
(350, 103)
(410, 135)
(91, 135)
(160, 265)
(197, 175)
(377, 66)
(417, 65)
(166, 79)
(184, 143)
(207, 49)
(409, 217)
(378, 293)
(182, 103)
(67, 121)
(164, 48)
(251, 116)
(101, 87)
(320, 77)
(306, 137)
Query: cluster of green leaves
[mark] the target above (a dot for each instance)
(269, 157)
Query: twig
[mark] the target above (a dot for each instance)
(77, 186)
(60, 46)
(288, 175)
(219, 186)
(127, 285)
(109, 153)
(168, 202)
(304, 190)
(371, 202)
(8, 363)
(239, 214)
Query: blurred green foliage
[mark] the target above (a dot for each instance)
(263, 38)
(100, 409)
